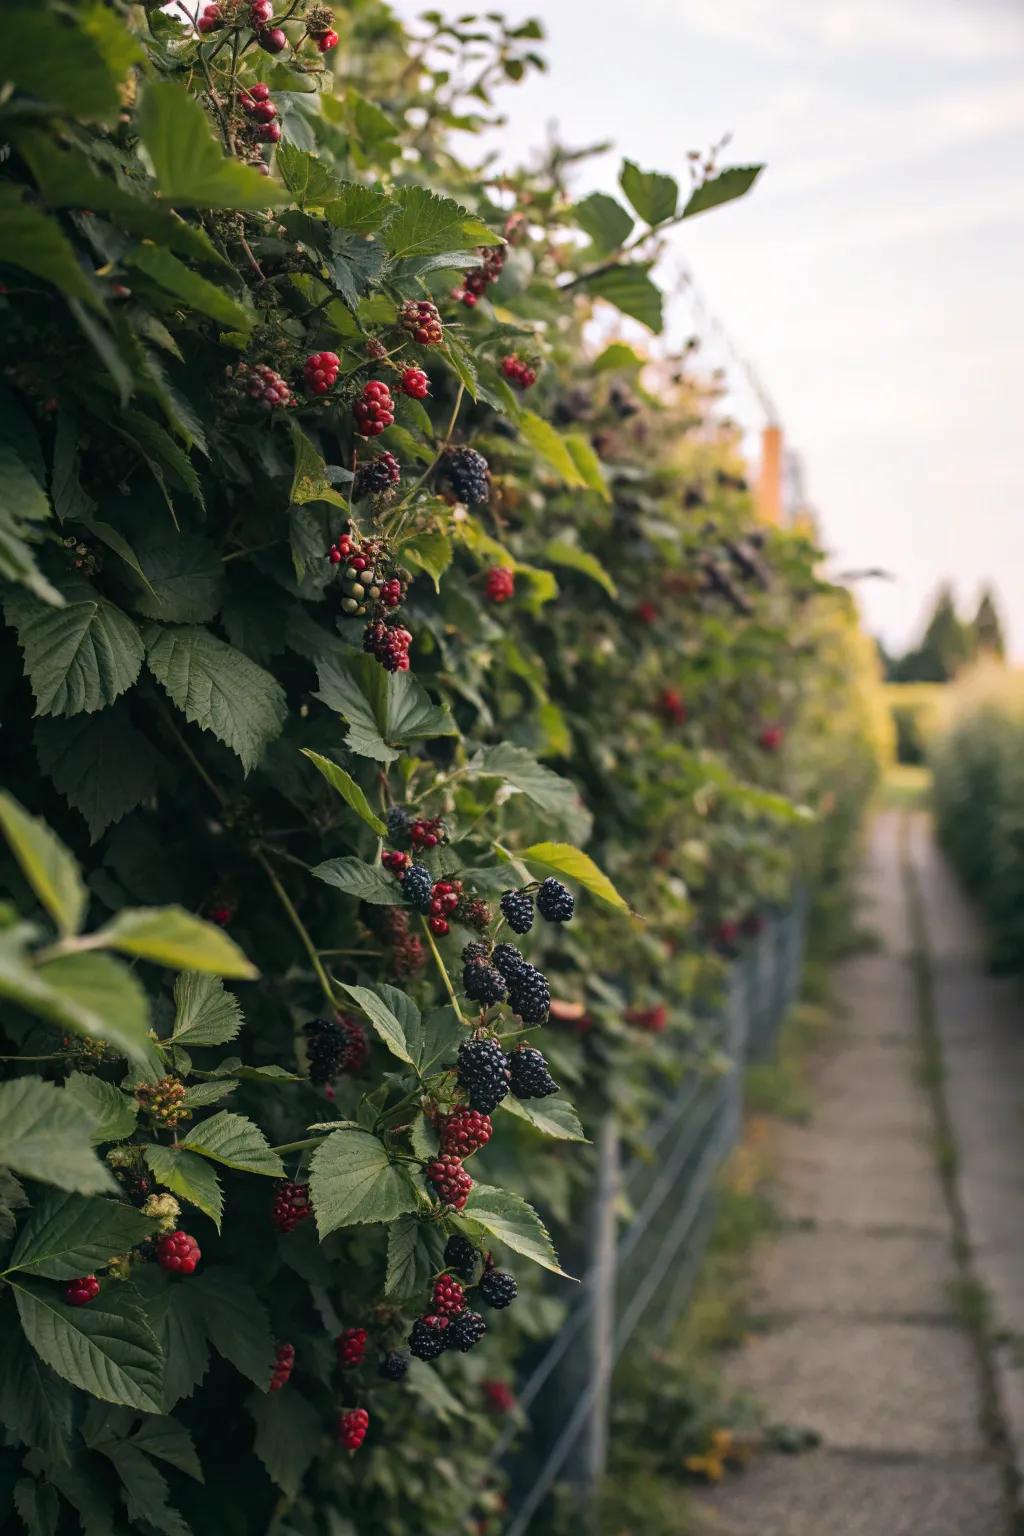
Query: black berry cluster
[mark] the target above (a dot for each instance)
(377, 477)
(555, 901)
(468, 474)
(517, 910)
(530, 1076)
(498, 1288)
(483, 984)
(334, 1047)
(483, 1074)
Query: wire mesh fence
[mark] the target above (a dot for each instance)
(644, 1269)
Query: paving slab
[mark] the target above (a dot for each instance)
(856, 1274)
(889, 1197)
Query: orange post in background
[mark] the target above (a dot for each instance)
(769, 480)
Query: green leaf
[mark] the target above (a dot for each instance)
(236, 1142)
(34, 242)
(430, 552)
(208, 298)
(38, 1506)
(200, 1095)
(166, 1440)
(145, 1490)
(287, 1437)
(386, 709)
(571, 556)
(359, 208)
(630, 289)
(355, 265)
(107, 1348)
(652, 195)
(236, 1321)
(367, 881)
(205, 1012)
(347, 788)
(178, 1325)
(95, 995)
(618, 357)
(100, 763)
(35, 1405)
(353, 1180)
(78, 657)
(191, 168)
(424, 224)
(188, 1175)
(549, 792)
(46, 864)
(553, 1117)
(113, 1113)
(24, 498)
(435, 1040)
(550, 444)
(564, 859)
(309, 479)
(512, 1221)
(56, 63)
(723, 188)
(173, 937)
(390, 1014)
(181, 579)
(233, 1066)
(218, 689)
(604, 220)
(415, 1254)
(69, 1235)
(588, 463)
(311, 181)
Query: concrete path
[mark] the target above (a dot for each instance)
(867, 1288)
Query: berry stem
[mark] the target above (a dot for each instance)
(444, 974)
(300, 1146)
(401, 511)
(300, 928)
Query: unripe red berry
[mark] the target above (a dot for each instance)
(178, 1252)
(284, 1362)
(270, 133)
(78, 1293)
(352, 1427)
(450, 1180)
(415, 384)
(326, 41)
(273, 40)
(261, 12)
(210, 19)
(448, 1298)
(351, 1346)
(500, 585)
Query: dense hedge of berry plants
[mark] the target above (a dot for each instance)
(348, 593)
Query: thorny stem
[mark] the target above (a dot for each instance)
(444, 974)
(299, 926)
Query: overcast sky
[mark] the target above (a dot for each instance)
(874, 277)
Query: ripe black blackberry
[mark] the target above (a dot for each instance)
(393, 1366)
(474, 950)
(498, 1288)
(483, 1073)
(376, 477)
(417, 886)
(508, 960)
(483, 984)
(530, 1076)
(398, 823)
(529, 995)
(427, 1340)
(460, 1256)
(468, 474)
(329, 1048)
(517, 910)
(464, 1331)
(555, 901)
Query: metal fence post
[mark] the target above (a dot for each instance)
(601, 1340)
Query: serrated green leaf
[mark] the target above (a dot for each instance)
(191, 168)
(35, 1405)
(38, 1506)
(309, 478)
(564, 859)
(557, 797)
(436, 1039)
(177, 1322)
(236, 1142)
(553, 1117)
(287, 1437)
(58, 64)
(24, 498)
(181, 577)
(347, 788)
(107, 1348)
(588, 463)
(355, 265)
(100, 763)
(78, 657)
(359, 208)
(355, 878)
(218, 689)
(573, 558)
(390, 707)
(510, 1219)
(236, 1322)
(353, 1180)
(95, 995)
(188, 1175)
(69, 1235)
(631, 290)
(200, 1095)
(166, 1440)
(425, 223)
(390, 1012)
(312, 182)
(206, 1013)
(46, 864)
(723, 188)
(233, 1066)
(173, 937)
(652, 195)
(415, 1255)
(145, 1490)
(113, 1113)
(34, 242)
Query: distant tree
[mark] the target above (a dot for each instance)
(988, 627)
(945, 646)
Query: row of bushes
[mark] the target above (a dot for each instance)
(329, 535)
(977, 761)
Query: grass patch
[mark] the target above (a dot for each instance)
(906, 786)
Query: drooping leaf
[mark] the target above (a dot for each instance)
(415, 1254)
(549, 792)
(78, 657)
(430, 552)
(654, 196)
(588, 463)
(178, 1324)
(181, 579)
(94, 995)
(218, 689)
(38, 1505)
(206, 1013)
(546, 440)
(145, 1490)
(236, 1142)
(604, 220)
(353, 1180)
(46, 864)
(191, 168)
(367, 881)
(35, 1404)
(722, 188)
(189, 1176)
(100, 763)
(384, 709)
(559, 552)
(564, 859)
(390, 1012)
(173, 937)
(107, 1348)
(112, 1112)
(46, 1135)
(287, 1435)
(347, 788)
(236, 1321)
(58, 64)
(631, 290)
(510, 1219)
(553, 1117)
(33, 241)
(165, 269)
(69, 1235)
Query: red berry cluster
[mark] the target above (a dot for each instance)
(428, 833)
(415, 384)
(423, 322)
(653, 1020)
(475, 914)
(476, 282)
(408, 955)
(397, 862)
(264, 385)
(771, 738)
(284, 1363)
(450, 1180)
(321, 370)
(210, 19)
(351, 1345)
(178, 1252)
(671, 707)
(374, 410)
(352, 1427)
(221, 912)
(79, 1292)
(518, 371)
(271, 39)
(320, 27)
(498, 1396)
(449, 1299)
(291, 1205)
(389, 643)
(257, 105)
(500, 584)
(444, 899)
(464, 1132)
